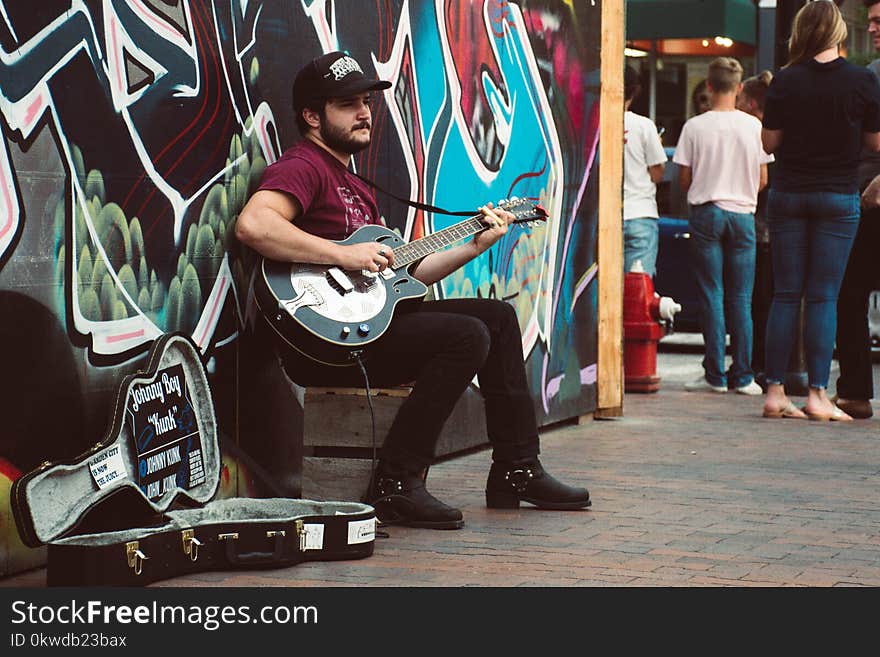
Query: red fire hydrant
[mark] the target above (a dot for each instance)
(643, 311)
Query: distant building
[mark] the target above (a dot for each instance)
(671, 42)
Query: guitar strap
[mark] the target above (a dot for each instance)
(416, 204)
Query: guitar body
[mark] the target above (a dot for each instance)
(327, 313)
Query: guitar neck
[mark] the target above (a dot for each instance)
(412, 251)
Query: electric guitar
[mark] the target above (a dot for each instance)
(329, 314)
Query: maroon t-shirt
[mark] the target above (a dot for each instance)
(335, 202)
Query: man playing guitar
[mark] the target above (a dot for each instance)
(309, 200)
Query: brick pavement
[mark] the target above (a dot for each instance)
(689, 490)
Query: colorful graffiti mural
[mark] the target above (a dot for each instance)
(135, 130)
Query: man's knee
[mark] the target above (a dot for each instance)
(494, 312)
(487, 318)
(476, 339)
(506, 311)
(506, 316)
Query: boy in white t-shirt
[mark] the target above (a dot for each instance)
(723, 166)
(643, 162)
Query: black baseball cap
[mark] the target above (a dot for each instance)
(332, 75)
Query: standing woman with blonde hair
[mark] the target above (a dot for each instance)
(819, 111)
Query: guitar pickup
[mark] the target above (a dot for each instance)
(339, 281)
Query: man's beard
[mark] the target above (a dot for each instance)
(342, 140)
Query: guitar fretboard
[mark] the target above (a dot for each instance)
(411, 252)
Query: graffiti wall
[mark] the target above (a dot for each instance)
(135, 130)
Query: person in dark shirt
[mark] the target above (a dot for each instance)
(855, 385)
(819, 112)
(701, 101)
(308, 199)
(751, 100)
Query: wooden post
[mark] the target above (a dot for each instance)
(610, 239)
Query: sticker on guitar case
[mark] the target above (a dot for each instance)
(108, 467)
(166, 435)
(312, 537)
(361, 531)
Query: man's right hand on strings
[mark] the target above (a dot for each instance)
(372, 256)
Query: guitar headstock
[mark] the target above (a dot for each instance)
(524, 211)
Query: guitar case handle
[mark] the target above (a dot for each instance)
(253, 558)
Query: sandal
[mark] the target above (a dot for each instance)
(790, 411)
(836, 415)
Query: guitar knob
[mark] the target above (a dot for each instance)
(364, 329)
(345, 331)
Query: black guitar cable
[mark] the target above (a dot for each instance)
(357, 356)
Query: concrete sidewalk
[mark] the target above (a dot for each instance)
(689, 489)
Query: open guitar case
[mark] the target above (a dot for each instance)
(138, 507)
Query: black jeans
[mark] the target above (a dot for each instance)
(853, 340)
(762, 297)
(441, 345)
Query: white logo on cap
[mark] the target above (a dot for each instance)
(343, 66)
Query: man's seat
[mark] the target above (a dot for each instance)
(338, 438)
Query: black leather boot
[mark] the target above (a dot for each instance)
(512, 482)
(400, 498)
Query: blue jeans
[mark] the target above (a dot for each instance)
(723, 254)
(640, 239)
(811, 234)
